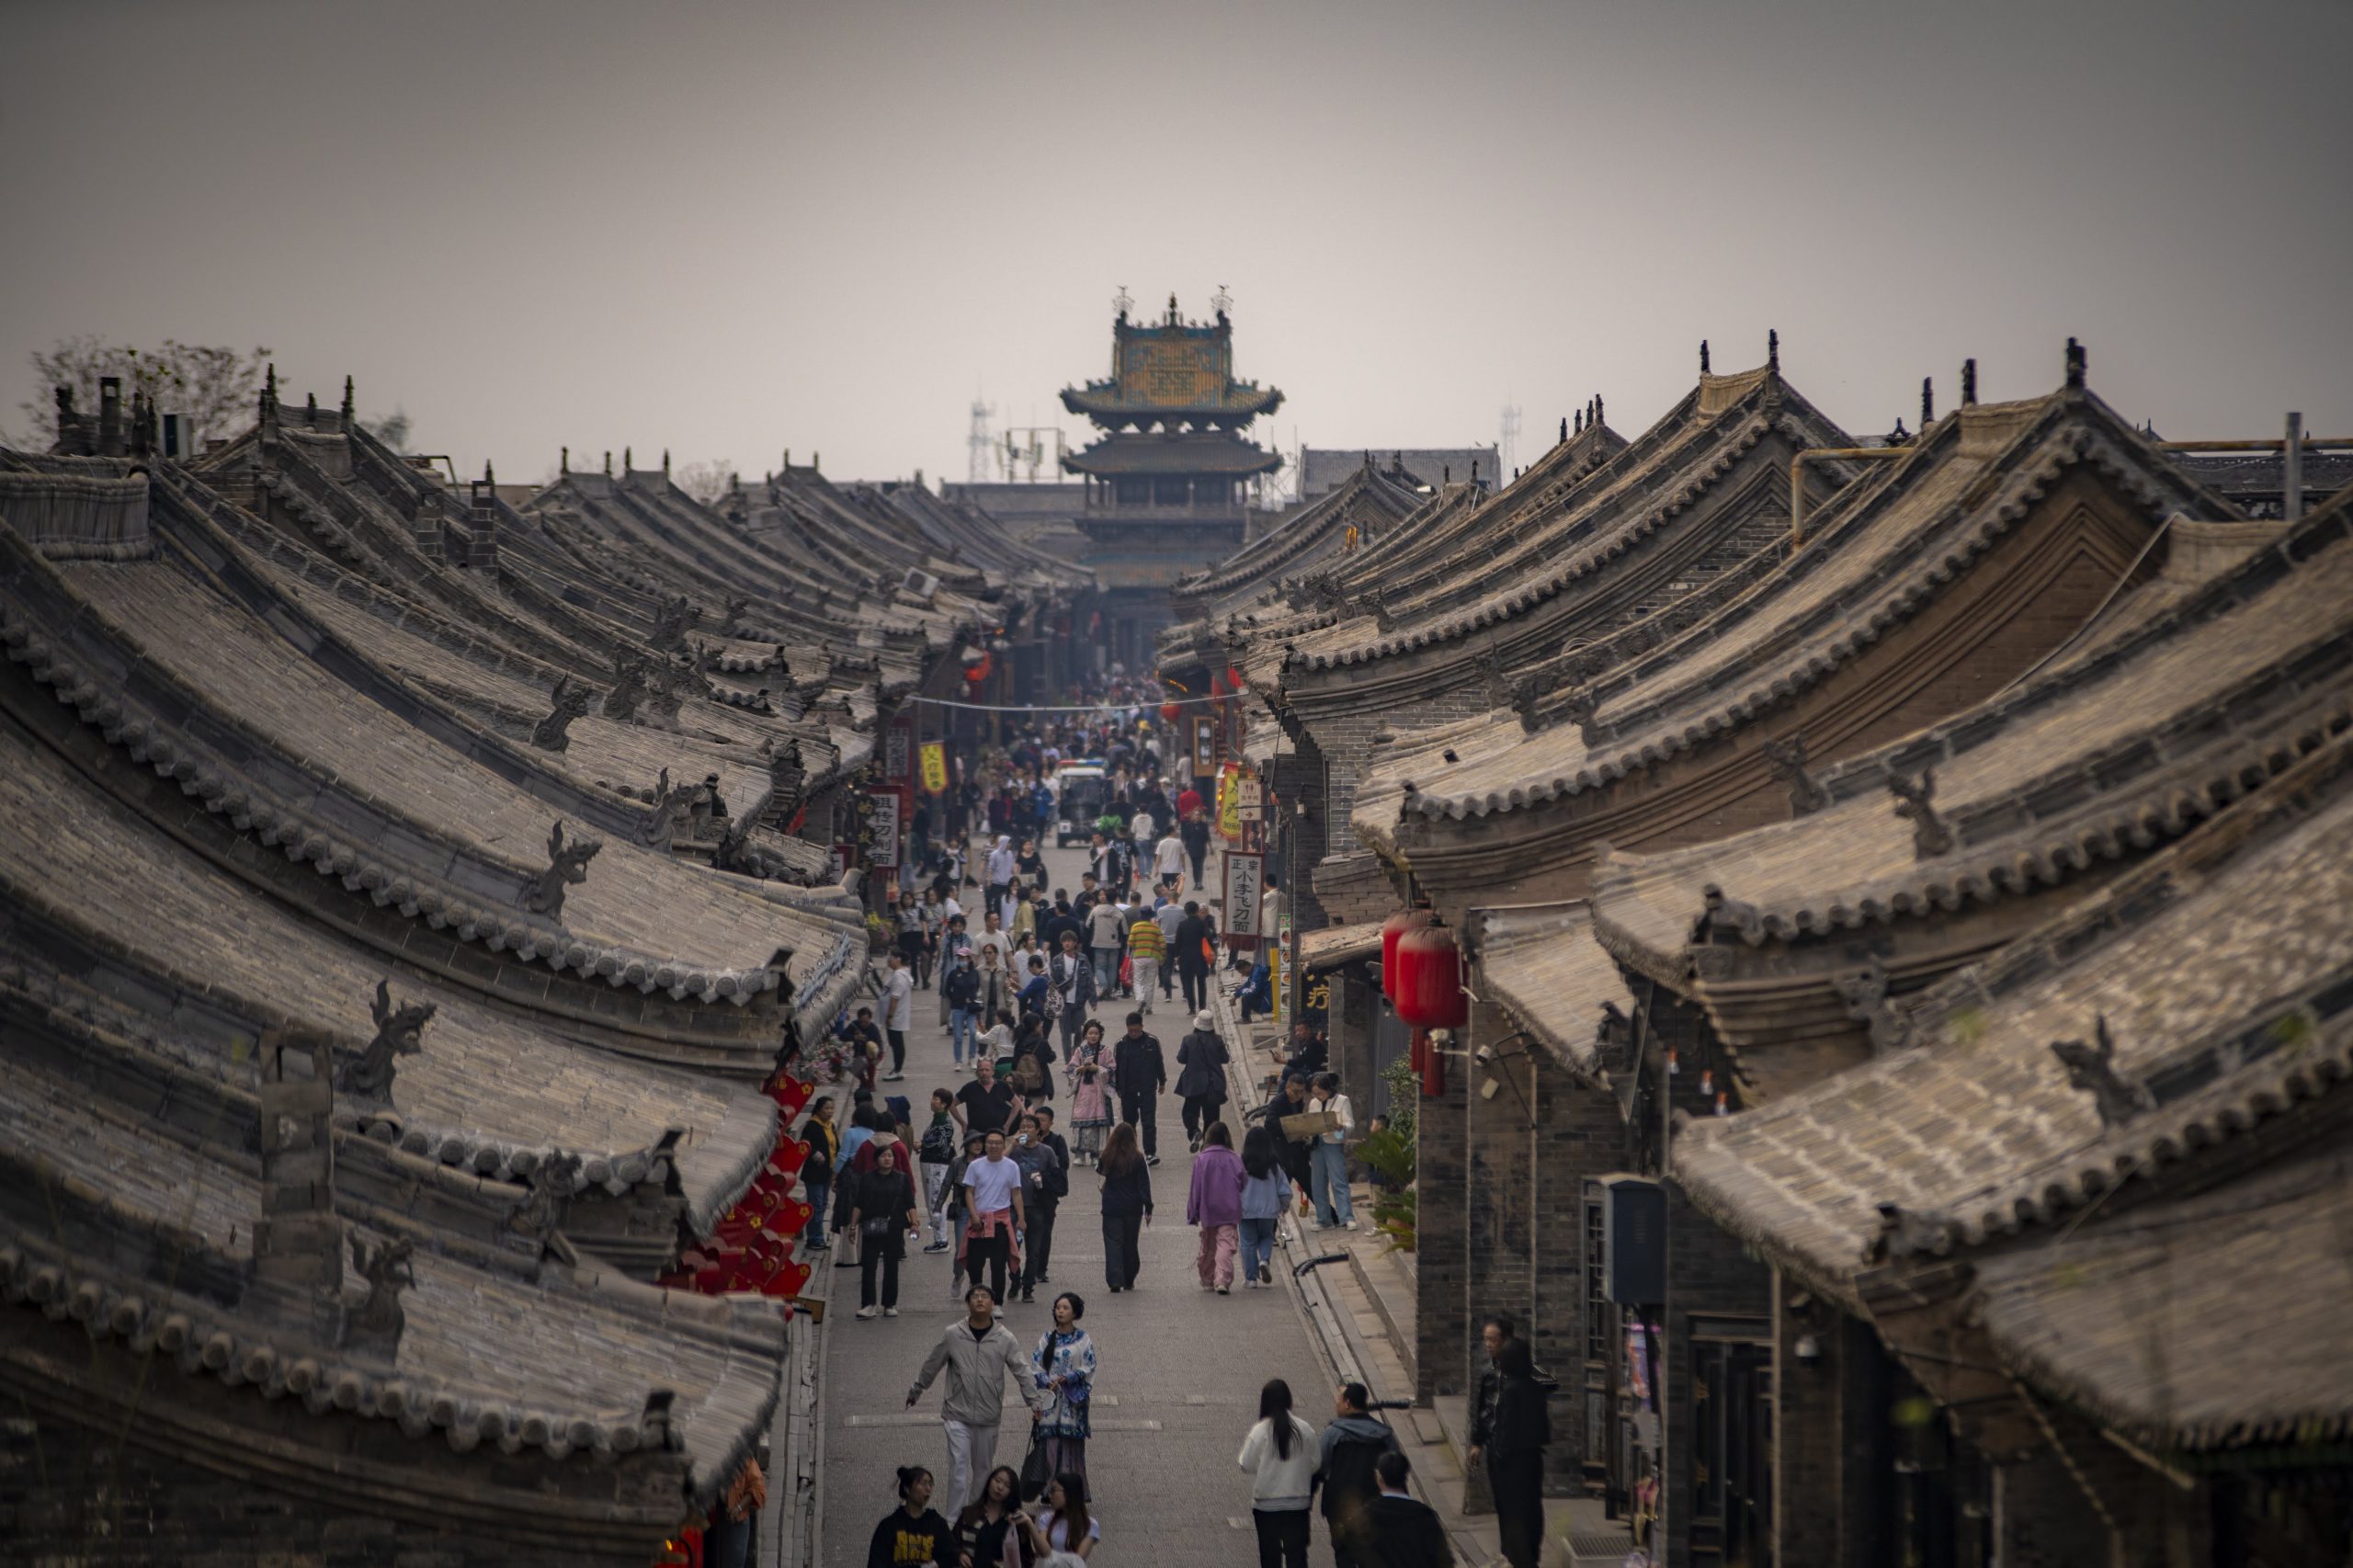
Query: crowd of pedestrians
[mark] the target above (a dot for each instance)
(1046, 994)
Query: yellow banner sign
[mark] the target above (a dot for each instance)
(935, 766)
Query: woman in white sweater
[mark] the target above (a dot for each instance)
(1328, 1159)
(1279, 1454)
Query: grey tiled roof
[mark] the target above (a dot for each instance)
(2094, 758)
(1885, 550)
(2220, 968)
(1543, 965)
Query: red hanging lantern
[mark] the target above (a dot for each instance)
(1393, 927)
(1232, 679)
(1430, 980)
(1172, 711)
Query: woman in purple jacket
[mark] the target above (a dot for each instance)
(1215, 1205)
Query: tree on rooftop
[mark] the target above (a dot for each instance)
(216, 388)
(706, 482)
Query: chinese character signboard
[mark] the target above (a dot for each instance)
(883, 824)
(1204, 746)
(1250, 799)
(894, 753)
(1229, 801)
(935, 766)
(1244, 882)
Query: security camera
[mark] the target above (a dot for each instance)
(1485, 1055)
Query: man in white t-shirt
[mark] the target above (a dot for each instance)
(898, 986)
(993, 1204)
(1168, 857)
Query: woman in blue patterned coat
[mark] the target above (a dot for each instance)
(1064, 1367)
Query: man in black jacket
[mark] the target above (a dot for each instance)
(1346, 1462)
(1141, 1075)
(1404, 1531)
(1191, 967)
(1295, 1155)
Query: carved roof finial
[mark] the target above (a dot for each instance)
(1580, 421)
(627, 460)
(400, 1031)
(1772, 348)
(489, 477)
(608, 463)
(1787, 759)
(269, 387)
(567, 866)
(1967, 382)
(1597, 408)
(347, 402)
(1915, 801)
(1564, 426)
(1864, 995)
(2075, 360)
(2093, 1067)
(665, 461)
(1927, 401)
(1703, 356)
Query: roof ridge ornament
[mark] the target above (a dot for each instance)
(400, 1031)
(1773, 349)
(1915, 801)
(388, 1271)
(2093, 1067)
(1704, 356)
(567, 865)
(1863, 993)
(2076, 365)
(570, 701)
(1787, 759)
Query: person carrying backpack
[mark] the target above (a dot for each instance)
(1350, 1447)
(937, 1155)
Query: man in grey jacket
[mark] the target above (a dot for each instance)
(979, 1354)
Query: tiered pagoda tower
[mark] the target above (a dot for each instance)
(1167, 482)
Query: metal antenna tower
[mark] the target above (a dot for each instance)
(980, 443)
(1507, 444)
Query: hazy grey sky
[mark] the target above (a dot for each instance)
(732, 230)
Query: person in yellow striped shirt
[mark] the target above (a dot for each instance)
(1146, 947)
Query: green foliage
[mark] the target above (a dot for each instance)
(1404, 1097)
(1389, 1154)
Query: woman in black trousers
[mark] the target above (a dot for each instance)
(1516, 1455)
(884, 1213)
(1127, 1205)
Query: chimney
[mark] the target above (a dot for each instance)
(481, 526)
(427, 526)
(2292, 470)
(298, 1241)
(110, 417)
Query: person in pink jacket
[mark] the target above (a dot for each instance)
(1215, 1205)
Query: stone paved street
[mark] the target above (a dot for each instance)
(1181, 1367)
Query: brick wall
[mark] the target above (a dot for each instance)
(1580, 1134)
(1439, 1253)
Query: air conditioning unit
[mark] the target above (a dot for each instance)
(1633, 1239)
(923, 584)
